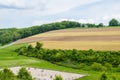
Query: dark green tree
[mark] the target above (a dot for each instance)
(114, 22)
(101, 25)
(7, 74)
(38, 46)
(30, 47)
(23, 74)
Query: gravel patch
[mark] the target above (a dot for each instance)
(43, 74)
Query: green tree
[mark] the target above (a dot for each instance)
(30, 47)
(38, 46)
(7, 74)
(101, 25)
(58, 78)
(114, 22)
(23, 74)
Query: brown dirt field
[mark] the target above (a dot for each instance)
(83, 39)
(86, 30)
(82, 45)
(71, 38)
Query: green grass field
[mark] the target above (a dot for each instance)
(9, 58)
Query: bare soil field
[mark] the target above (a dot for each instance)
(86, 30)
(94, 38)
(82, 45)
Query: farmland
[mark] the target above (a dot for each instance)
(82, 39)
(60, 40)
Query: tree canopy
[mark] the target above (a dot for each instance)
(114, 22)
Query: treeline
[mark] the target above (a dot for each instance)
(13, 34)
(98, 60)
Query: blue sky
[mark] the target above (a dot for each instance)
(26, 13)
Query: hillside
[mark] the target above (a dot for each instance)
(12, 34)
(83, 39)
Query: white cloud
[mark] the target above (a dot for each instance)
(64, 5)
(40, 22)
(86, 21)
(43, 6)
(35, 12)
(37, 22)
(108, 17)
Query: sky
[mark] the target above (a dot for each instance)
(26, 13)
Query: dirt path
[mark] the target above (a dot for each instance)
(7, 45)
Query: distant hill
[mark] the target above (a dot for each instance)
(13, 34)
(83, 39)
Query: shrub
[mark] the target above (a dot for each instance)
(38, 46)
(82, 65)
(103, 76)
(97, 67)
(7, 74)
(30, 47)
(114, 77)
(108, 66)
(23, 74)
(58, 78)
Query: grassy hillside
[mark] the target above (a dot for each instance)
(9, 58)
(83, 39)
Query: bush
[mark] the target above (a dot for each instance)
(114, 77)
(38, 46)
(108, 66)
(58, 78)
(23, 74)
(103, 76)
(7, 74)
(82, 65)
(97, 67)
